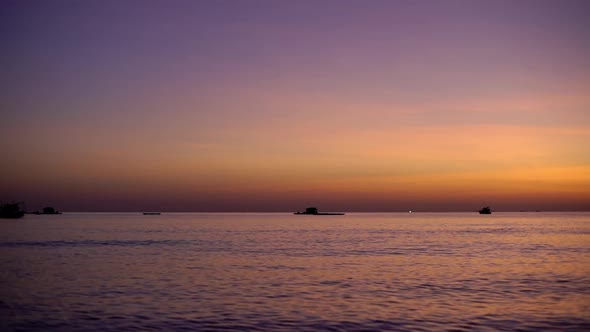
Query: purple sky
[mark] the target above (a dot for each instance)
(275, 105)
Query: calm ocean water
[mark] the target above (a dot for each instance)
(280, 272)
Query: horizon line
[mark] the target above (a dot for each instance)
(408, 211)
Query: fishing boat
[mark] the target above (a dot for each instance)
(12, 210)
(485, 210)
(151, 213)
(314, 212)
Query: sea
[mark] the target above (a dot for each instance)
(525, 271)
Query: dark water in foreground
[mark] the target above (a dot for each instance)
(273, 272)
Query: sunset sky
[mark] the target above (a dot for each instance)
(279, 105)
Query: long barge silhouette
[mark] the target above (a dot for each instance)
(314, 212)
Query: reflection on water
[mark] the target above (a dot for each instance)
(273, 272)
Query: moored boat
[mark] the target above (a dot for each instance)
(485, 210)
(12, 210)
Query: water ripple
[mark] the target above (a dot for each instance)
(282, 273)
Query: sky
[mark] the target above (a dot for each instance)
(280, 105)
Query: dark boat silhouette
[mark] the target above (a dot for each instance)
(151, 213)
(48, 210)
(12, 210)
(485, 210)
(314, 212)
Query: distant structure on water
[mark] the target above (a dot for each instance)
(48, 210)
(151, 213)
(314, 212)
(12, 210)
(485, 210)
